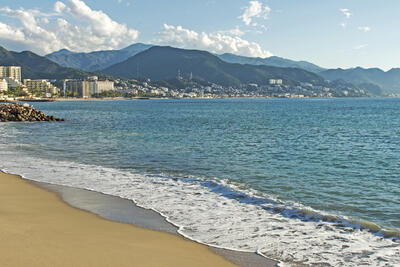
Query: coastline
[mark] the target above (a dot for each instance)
(79, 207)
(41, 230)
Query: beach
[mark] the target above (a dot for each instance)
(39, 229)
(250, 179)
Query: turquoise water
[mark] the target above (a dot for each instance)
(334, 156)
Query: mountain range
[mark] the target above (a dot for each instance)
(388, 81)
(164, 62)
(99, 60)
(374, 80)
(160, 63)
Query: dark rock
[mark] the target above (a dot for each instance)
(14, 112)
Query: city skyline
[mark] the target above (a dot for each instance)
(337, 34)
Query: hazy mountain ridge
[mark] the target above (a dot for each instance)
(387, 81)
(96, 60)
(273, 61)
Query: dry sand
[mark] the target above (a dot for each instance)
(38, 229)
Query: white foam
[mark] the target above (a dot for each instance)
(214, 213)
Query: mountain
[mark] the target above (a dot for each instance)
(388, 81)
(95, 60)
(271, 61)
(164, 62)
(37, 67)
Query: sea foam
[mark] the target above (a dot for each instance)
(220, 214)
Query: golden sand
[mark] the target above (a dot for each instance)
(38, 229)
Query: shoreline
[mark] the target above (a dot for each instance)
(67, 99)
(124, 213)
(42, 230)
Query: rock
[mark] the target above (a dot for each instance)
(14, 112)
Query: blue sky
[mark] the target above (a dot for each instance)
(329, 33)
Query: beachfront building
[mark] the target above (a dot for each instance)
(3, 85)
(78, 88)
(12, 72)
(43, 87)
(89, 87)
(98, 87)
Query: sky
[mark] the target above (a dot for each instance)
(329, 33)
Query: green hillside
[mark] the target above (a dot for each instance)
(159, 63)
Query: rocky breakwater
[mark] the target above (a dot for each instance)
(21, 113)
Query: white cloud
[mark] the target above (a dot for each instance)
(343, 25)
(364, 28)
(99, 22)
(213, 42)
(358, 47)
(255, 10)
(72, 25)
(346, 12)
(10, 33)
(59, 7)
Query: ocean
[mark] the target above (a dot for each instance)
(311, 181)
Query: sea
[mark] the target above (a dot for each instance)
(313, 182)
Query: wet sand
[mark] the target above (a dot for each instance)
(124, 210)
(38, 229)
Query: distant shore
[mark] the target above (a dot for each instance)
(41, 230)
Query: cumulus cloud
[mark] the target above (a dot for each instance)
(213, 42)
(346, 12)
(10, 33)
(364, 28)
(72, 25)
(255, 10)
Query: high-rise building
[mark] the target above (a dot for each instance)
(87, 88)
(82, 88)
(12, 72)
(98, 87)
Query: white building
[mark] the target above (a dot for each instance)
(3, 85)
(98, 87)
(89, 87)
(275, 81)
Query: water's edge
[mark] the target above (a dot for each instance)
(122, 210)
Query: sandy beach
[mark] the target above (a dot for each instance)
(39, 229)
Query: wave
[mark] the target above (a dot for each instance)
(220, 214)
